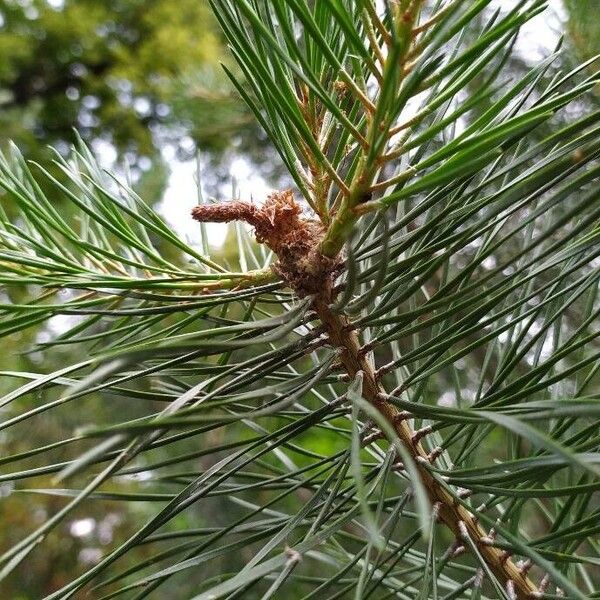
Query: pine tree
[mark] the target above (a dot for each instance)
(396, 394)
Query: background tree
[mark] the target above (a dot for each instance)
(584, 27)
(113, 70)
(474, 307)
(132, 77)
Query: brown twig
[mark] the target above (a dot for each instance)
(454, 515)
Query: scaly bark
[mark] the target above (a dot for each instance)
(454, 515)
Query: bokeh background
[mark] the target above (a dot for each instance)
(141, 82)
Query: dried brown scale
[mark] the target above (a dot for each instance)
(295, 240)
(280, 225)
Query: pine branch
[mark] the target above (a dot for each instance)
(471, 294)
(459, 520)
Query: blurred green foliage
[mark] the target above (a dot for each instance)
(109, 69)
(584, 26)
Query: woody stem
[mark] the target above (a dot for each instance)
(456, 516)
